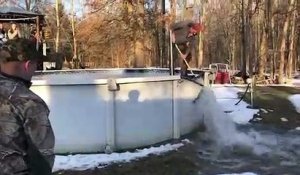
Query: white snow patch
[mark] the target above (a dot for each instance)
(240, 174)
(296, 82)
(295, 99)
(257, 119)
(263, 110)
(187, 141)
(82, 162)
(284, 119)
(227, 97)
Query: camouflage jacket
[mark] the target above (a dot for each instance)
(18, 102)
(181, 31)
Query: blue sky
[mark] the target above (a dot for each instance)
(78, 6)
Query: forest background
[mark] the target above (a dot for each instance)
(261, 36)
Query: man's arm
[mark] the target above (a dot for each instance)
(39, 130)
(12, 35)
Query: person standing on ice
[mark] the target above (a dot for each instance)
(183, 35)
(26, 135)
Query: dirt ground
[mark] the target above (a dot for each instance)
(274, 105)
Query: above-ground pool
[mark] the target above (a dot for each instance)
(117, 109)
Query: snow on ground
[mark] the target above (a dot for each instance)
(240, 174)
(295, 99)
(296, 79)
(227, 97)
(82, 162)
(296, 82)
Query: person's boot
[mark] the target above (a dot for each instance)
(183, 74)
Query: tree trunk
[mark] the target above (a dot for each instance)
(292, 46)
(264, 46)
(57, 5)
(189, 11)
(157, 36)
(283, 44)
(201, 37)
(112, 54)
(263, 53)
(244, 44)
(163, 35)
(73, 32)
(136, 21)
(183, 12)
(233, 53)
(173, 5)
(272, 39)
(28, 4)
(249, 34)
(257, 45)
(118, 54)
(139, 36)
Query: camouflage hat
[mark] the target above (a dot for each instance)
(19, 50)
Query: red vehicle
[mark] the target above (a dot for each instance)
(222, 73)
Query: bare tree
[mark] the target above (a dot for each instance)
(292, 40)
(284, 37)
(263, 57)
(201, 36)
(73, 31)
(57, 5)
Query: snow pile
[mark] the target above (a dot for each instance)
(227, 97)
(296, 81)
(295, 99)
(82, 162)
(240, 174)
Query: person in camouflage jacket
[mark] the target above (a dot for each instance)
(26, 135)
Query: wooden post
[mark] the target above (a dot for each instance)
(37, 32)
(201, 38)
(244, 62)
(171, 65)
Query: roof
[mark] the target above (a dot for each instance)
(18, 15)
